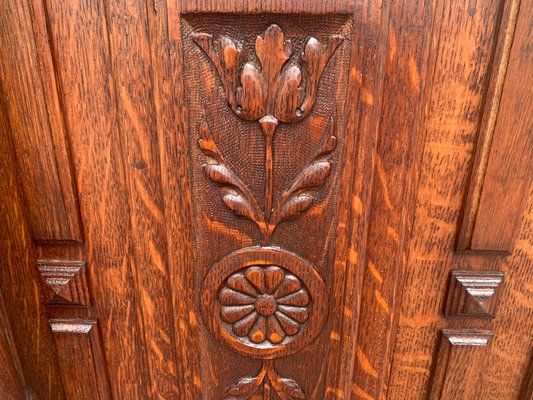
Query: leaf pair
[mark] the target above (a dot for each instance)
(293, 202)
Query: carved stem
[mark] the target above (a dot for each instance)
(268, 125)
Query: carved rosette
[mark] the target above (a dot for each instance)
(262, 301)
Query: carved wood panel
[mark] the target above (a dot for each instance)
(266, 153)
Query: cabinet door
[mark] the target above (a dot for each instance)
(265, 199)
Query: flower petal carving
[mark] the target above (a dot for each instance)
(287, 93)
(264, 303)
(273, 51)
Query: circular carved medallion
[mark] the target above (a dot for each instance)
(264, 302)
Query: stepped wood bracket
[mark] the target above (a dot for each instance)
(66, 282)
(473, 294)
(267, 302)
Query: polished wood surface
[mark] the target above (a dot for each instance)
(283, 199)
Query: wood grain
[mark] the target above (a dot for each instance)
(41, 150)
(80, 359)
(11, 378)
(18, 280)
(396, 165)
(341, 143)
(459, 364)
(456, 104)
(498, 69)
(508, 174)
(80, 45)
(132, 68)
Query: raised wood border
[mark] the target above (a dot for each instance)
(81, 360)
(450, 344)
(36, 128)
(490, 223)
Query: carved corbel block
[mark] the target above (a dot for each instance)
(473, 294)
(66, 282)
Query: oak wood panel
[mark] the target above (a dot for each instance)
(459, 364)
(493, 94)
(133, 71)
(451, 132)
(407, 68)
(41, 150)
(311, 143)
(11, 378)
(508, 175)
(171, 110)
(80, 43)
(80, 359)
(18, 281)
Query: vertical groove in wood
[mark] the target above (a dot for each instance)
(131, 60)
(56, 118)
(171, 111)
(81, 50)
(502, 50)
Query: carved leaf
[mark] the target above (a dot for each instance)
(292, 388)
(293, 207)
(286, 388)
(237, 197)
(245, 386)
(297, 199)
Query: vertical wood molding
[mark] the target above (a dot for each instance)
(396, 165)
(81, 47)
(81, 360)
(30, 100)
(500, 177)
(458, 364)
(19, 280)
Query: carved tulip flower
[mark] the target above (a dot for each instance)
(285, 94)
(271, 92)
(264, 303)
